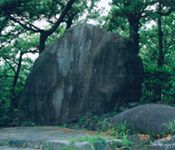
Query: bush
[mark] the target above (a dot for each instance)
(158, 86)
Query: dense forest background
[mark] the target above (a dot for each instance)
(28, 27)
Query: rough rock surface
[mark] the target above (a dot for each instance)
(12, 148)
(82, 146)
(164, 144)
(149, 118)
(33, 137)
(87, 71)
(51, 138)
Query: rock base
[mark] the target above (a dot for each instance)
(53, 138)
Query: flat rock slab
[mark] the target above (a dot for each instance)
(33, 137)
(12, 148)
(53, 138)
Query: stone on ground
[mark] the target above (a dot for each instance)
(83, 146)
(85, 72)
(112, 144)
(55, 144)
(164, 144)
(150, 118)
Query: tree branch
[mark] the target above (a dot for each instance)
(26, 25)
(60, 19)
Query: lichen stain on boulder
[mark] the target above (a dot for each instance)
(85, 72)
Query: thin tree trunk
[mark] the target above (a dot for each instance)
(160, 60)
(42, 41)
(134, 32)
(14, 102)
(45, 34)
(69, 24)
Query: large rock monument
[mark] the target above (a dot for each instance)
(85, 72)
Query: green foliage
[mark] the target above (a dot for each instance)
(97, 123)
(104, 128)
(13, 72)
(120, 131)
(158, 80)
(126, 142)
(90, 139)
(117, 131)
(116, 24)
(71, 147)
(5, 115)
(170, 127)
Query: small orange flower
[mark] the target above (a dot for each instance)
(167, 137)
(144, 137)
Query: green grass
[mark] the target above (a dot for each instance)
(69, 147)
(89, 139)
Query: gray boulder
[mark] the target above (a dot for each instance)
(83, 146)
(55, 144)
(149, 118)
(85, 72)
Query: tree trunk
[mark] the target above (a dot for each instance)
(69, 23)
(160, 60)
(42, 41)
(134, 31)
(14, 99)
(45, 34)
